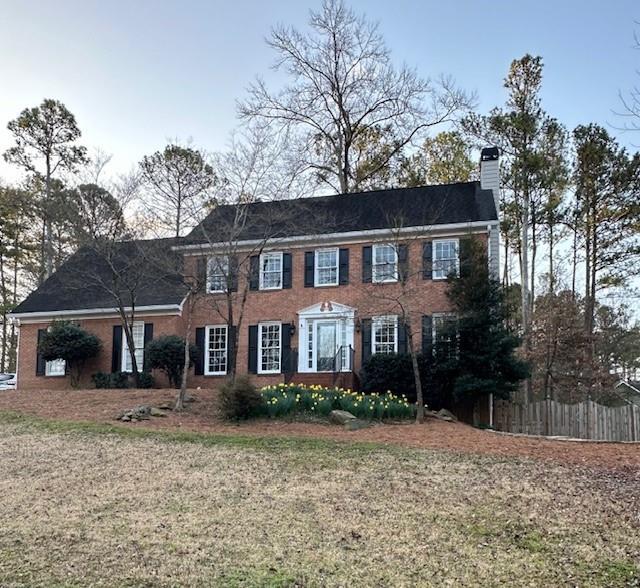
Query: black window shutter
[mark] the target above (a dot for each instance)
(427, 334)
(366, 339)
(253, 349)
(286, 270)
(201, 274)
(285, 363)
(231, 340)
(198, 368)
(233, 273)
(465, 256)
(366, 264)
(254, 272)
(402, 337)
(40, 362)
(403, 262)
(148, 337)
(343, 267)
(427, 260)
(309, 269)
(116, 349)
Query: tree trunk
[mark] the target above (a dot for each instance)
(179, 405)
(416, 376)
(48, 232)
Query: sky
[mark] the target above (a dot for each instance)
(137, 74)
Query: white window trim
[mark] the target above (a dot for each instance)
(316, 281)
(376, 321)
(271, 254)
(207, 350)
(373, 264)
(125, 350)
(49, 365)
(209, 275)
(268, 324)
(434, 260)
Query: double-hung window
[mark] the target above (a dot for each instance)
(55, 367)
(137, 332)
(326, 267)
(385, 263)
(384, 334)
(271, 271)
(445, 334)
(217, 272)
(216, 350)
(446, 260)
(269, 347)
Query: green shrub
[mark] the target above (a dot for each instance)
(101, 380)
(119, 380)
(167, 354)
(392, 372)
(145, 380)
(68, 341)
(240, 399)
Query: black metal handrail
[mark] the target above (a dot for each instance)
(339, 363)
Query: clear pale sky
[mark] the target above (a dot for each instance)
(137, 73)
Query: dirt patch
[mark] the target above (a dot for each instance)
(102, 406)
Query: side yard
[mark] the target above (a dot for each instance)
(83, 506)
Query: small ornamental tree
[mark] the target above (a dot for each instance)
(485, 361)
(167, 354)
(70, 342)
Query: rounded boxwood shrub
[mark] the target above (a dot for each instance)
(239, 399)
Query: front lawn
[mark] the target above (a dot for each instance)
(83, 505)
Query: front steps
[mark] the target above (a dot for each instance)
(328, 379)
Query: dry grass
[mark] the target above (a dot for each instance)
(81, 507)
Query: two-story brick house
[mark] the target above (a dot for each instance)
(316, 285)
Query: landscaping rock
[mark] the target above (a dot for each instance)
(356, 424)
(165, 406)
(340, 417)
(189, 398)
(445, 415)
(156, 412)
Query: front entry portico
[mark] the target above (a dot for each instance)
(326, 338)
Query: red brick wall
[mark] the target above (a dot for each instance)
(425, 297)
(103, 329)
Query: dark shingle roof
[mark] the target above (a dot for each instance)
(360, 211)
(82, 281)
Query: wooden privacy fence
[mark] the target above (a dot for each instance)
(585, 420)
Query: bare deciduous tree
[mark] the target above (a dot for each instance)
(343, 85)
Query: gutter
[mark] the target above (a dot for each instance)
(42, 316)
(348, 237)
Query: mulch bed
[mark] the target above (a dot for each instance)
(103, 405)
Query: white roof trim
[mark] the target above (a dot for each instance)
(627, 383)
(348, 236)
(97, 312)
(337, 309)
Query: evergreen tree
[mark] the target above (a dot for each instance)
(485, 361)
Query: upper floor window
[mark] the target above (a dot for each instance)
(137, 333)
(384, 334)
(326, 267)
(446, 260)
(216, 350)
(55, 367)
(217, 272)
(385, 263)
(271, 271)
(269, 347)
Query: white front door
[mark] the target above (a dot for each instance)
(326, 345)
(325, 329)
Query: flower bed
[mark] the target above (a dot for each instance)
(287, 399)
